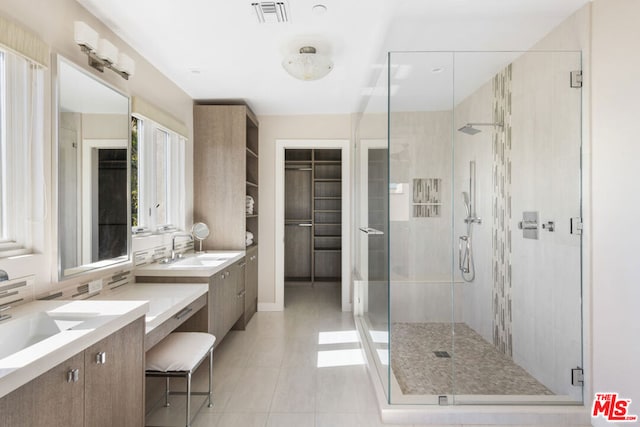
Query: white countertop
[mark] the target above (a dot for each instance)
(204, 264)
(81, 324)
(165, 299)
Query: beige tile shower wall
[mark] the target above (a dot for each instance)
(420, 148)
(548, 122)
(53, 22)
(545, 294)
(476, 302)
(546, 274)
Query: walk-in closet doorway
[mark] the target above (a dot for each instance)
(313, 215)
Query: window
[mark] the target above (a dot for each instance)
(157, 182)
(21, 149)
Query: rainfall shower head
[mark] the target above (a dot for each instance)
(469, 128)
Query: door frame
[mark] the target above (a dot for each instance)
(345, 146)
(363, 199)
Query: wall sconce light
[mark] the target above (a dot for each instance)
(307, 64)
(101, 52)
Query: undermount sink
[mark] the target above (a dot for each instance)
(23, 332)
(222, 256)
(26, 331)
(196, 262)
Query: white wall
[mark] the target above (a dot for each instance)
(53, 22)
(284, 127)
(616, 206)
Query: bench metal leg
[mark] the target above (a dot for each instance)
(210, 376)
(166, 393)
(188, 399)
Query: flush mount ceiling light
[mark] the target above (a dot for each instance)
(307, 64)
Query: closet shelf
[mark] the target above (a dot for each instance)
(309, 253)
(250, 151)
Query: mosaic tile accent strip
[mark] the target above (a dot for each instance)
(479, 367)
(501, 228)
(427, 198)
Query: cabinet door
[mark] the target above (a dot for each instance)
(216, 306)
(229, 300)
(237, 271)
(49, 400)
(251, 285)
(114, 379)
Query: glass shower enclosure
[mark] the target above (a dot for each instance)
(469, 209)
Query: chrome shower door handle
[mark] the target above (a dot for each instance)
(369, 230)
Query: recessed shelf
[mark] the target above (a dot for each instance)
(251, 184)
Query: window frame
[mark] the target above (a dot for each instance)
(148, 217)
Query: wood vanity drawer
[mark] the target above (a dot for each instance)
(169, 325)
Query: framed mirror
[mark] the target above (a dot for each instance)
(93, 164)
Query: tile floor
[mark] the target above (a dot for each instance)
(268, 375)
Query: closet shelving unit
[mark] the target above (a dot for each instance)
(313, 215)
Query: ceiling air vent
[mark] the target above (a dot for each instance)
(271, 11)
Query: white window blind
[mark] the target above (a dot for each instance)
(21, 148)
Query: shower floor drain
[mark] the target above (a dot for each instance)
(441, 354)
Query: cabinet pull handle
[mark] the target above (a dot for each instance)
(242, 264)
(73, 375)
(253, 257)
(101, 358)
(184, 313)
(227, 273)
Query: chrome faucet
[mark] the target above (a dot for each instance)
(173, 242)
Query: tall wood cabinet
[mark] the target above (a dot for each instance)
(313, 215)
(225, 176)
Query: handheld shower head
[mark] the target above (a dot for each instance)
(467, 203)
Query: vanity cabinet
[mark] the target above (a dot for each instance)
(250, 300)
(87, 389)
(228, 307)
(48, 400)
(114, 379)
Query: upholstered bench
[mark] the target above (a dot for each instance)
(179, 355)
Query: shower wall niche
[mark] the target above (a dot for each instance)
(513, 332)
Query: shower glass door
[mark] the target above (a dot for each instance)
(481, 290)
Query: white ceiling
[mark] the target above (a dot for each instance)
(216, 49)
